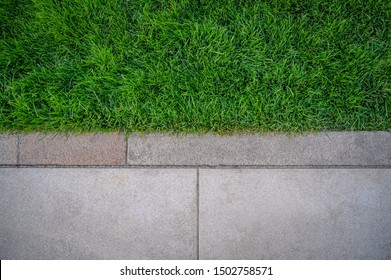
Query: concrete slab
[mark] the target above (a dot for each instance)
(8, 149)
(97, 213)
(295, 214)
(88, 149)
(331, 148)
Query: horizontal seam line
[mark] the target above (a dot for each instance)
(198, 166)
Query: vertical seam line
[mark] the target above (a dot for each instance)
(18, 139)
(126, 151)
(198, 213)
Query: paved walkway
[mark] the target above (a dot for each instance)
(316, 196)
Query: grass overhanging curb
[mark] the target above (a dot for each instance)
(195, 66)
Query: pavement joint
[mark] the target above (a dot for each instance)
(126, 151)
(200, 166)
(18, 139)
(198, 212)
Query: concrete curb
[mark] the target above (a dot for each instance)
(8, 149)
(320, 149)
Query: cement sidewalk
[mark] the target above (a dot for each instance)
(316, 196)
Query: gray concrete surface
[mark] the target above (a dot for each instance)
(8, 149)
(90, 149)
(322, 149)
(331, 148)
(295, 214)
(297, 199)
(97, 213)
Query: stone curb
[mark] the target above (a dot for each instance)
(88, 149)
(331, 148)
(319, 149)
(8, 149)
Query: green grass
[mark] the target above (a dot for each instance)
(195, 66)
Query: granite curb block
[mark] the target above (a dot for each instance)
(97, 214)
(327, 148)
(295, 214)
(87, 149)
(8, 149)
(320, 149)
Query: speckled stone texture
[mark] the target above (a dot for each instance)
(88, 213)
(327, 148)
(295, 214)
(86, 149)
(8, 149)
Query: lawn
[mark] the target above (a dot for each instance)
(195, 66)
